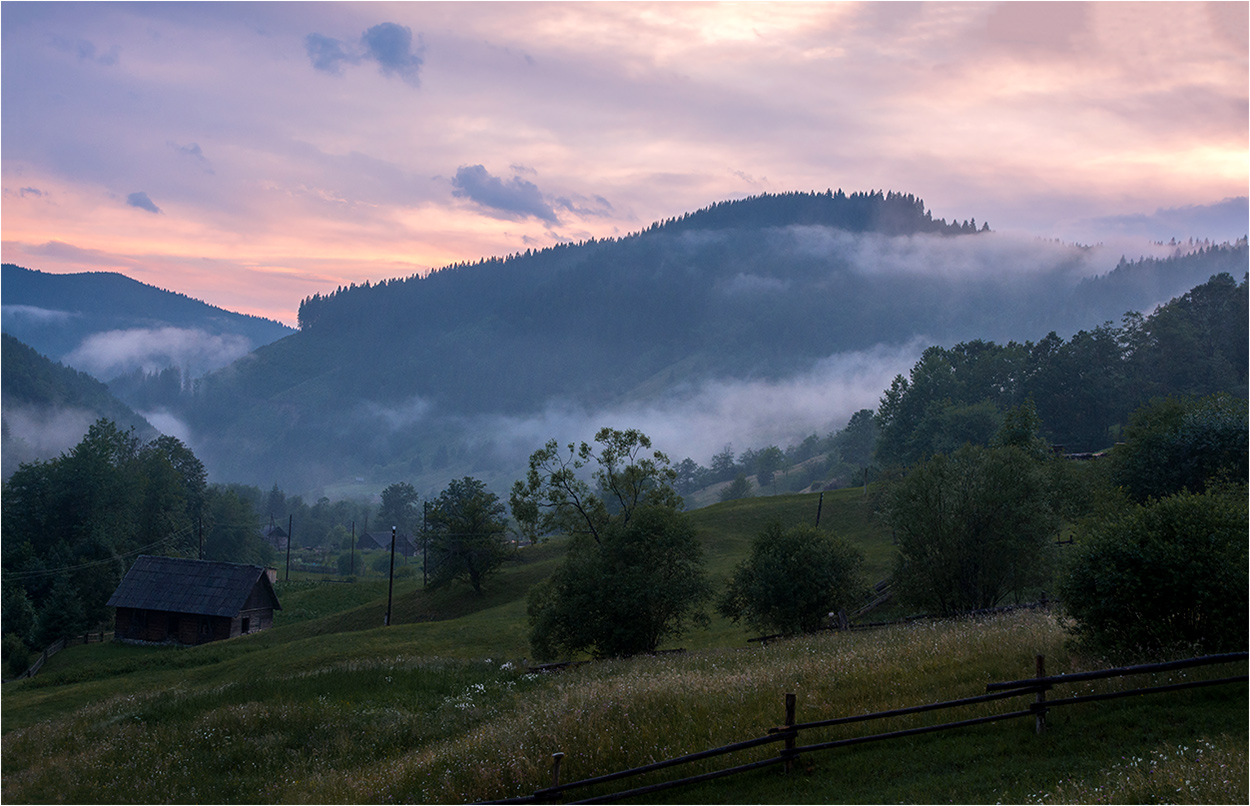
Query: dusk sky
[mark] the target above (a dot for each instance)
(253, 154)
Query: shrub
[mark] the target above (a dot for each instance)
(793, 579)
(1166, 576)
(642, 582)
(16, 655)
(972, 528)
(1176, 444)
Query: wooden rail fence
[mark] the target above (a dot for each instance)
(58, 645)
(788, 732)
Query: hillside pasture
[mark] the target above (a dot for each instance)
(378, 718)
(329, 706)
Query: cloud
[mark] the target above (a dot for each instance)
(594, 207)
(47, 432)
(116, 352)
(28, 191)
(699, 420)
(1225, 220)
(391, 45)
(86, 51)
(193, 151)
(395, 418)
(141, 200)
(748, 284)
(516, 198)
(170, 424)
(387, 43)
(36, 314)
(327, 54)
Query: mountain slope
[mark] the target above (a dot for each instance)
(80, 319)
(46, 407)
(460, 371)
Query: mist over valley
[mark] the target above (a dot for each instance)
(749, 323)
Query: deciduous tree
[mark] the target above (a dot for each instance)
(634, 573)
(466, 533)
(972, 528)
(1167, 575)
(793, 579)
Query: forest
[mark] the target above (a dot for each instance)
(413, 377)
(115, 495)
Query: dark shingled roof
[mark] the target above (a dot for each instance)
(189, 586)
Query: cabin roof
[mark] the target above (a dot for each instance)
(180, 585)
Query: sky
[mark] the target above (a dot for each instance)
(253, 154)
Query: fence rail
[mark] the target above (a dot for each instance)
(59, 644)
(788, 733)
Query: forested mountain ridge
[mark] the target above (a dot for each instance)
(404, 376)
(56, 313)
(42, 398)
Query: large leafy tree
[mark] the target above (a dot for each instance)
(399, 507)
(467, 529)
(1173, 444)
(642, 583)
(973, 527)
(1165, 576)
(71, 525)
(793, 579)
(556, 497)
(634, 573)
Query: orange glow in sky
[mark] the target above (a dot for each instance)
(251, 155)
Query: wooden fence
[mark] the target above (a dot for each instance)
(787, 734)
(58, 645)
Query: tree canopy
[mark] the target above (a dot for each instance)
(466, 533)
(972, 527)
(555, 497)
(793, 579)
(633, 575)
(1168, 575)
(71, 525)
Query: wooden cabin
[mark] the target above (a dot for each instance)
(405, 544)
(275, 536)
(192, 601)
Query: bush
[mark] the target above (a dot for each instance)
(16, 655)
(972, 528)
(1176, 444)
(1167, 576)
(793, 579)
(641, 583)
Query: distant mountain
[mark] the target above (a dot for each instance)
(108, 324)
(46, 407)
(471, 367)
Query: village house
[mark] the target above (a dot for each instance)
(275, 536)
(405, 545)
(192, 601)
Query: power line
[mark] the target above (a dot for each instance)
(23, 575)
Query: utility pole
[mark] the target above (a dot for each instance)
(289, 521)
(200, 520)
(425, 544)
(390, 585)
(353, 548)
(820, 503)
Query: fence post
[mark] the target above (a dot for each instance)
(1039, 705)
(788, 751)
(556, 758)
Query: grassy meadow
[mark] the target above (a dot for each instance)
(329, 706)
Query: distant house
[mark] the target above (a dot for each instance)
(192, 601)
(275, 536)
(405, 544)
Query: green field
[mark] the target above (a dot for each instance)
(330, 706)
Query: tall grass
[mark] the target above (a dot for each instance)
(402, 726)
